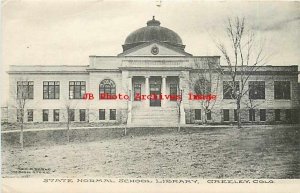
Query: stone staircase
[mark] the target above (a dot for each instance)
(155, 116)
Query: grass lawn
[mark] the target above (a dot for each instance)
(252, 152)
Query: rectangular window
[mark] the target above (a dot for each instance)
(101, 114)
(277, 114)
(82, 114)
(197, 114)
(226, 114)
(51, 90)
(282, 90)
(137, 92)
(235, 115)
(288, 115)
(29, 115)
(251, 114)
(173, 92)
(72, 114)
(295, 116)
(202, 86)
(112, 114)
(55, 114)
(262, 114)
(256, 90)
(45, 114)
(208, 115)
(77, 89)
(228, 91)
(25, 89)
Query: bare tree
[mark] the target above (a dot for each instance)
(244, 55)
(206, 83)
(129, 110)
(70, 113)
(179, 108)
(68, 110)
(21, 95)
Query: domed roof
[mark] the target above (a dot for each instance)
(153, 31)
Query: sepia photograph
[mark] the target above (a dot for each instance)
(155, 92)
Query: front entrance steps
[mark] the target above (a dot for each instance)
(155, 116)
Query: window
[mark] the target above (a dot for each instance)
(72, 114)
(82, 114)
(56, 115)
(137, 92)
(107, 88)
(251, 114)
(202, 86)
(51, 90)
(112, 114)
(295, 116)
(288, 115)
(282, 90)
(277, 114)
(76, 89)
(262, 114)
(45, 114)
(256, 90)
(101, 114)
(208, 115)
(226, 114)
(228, 92)
(29, 115)
(197, 114)
(20, 115)
(173, 92)
(235, 115)
(25, 89)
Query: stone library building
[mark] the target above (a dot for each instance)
(154, 81)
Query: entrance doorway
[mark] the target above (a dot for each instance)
(155, 89)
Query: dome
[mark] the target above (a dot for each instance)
(153, 31)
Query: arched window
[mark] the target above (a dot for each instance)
(107, 89)
(202, 86)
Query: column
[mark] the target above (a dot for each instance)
(130, 87)
(147, 91)
(182, 92)
(164, 90)
(129, 101)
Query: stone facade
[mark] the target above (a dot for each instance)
(151, 65)
(128, 72)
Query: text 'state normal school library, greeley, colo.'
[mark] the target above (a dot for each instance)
(153, 63)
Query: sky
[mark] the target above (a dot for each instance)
(66, 32)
